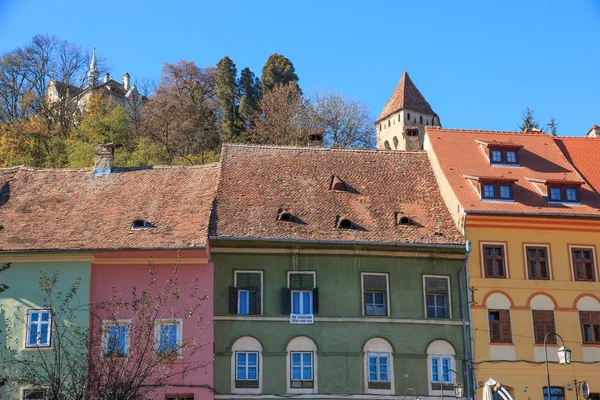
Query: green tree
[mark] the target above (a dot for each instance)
(103, 122)
(552, 126)
(278, 69)
(528, 120)
(226, 91)
(250, 94)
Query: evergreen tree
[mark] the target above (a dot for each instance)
(528, 121)
(278, 69)
(250, 94)
(226, 91)
(552, 126)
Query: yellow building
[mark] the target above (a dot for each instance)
(533, 223)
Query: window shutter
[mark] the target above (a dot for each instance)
(233, 300)
(505, 326)
(589, 271)
(315, 300)
(286, 306)
(436, 285)
(374, 283)
(543, 322)
(254, 302)
(248, 281)
(301, 281)
(495, 329)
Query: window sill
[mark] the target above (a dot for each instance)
(495, 277)
(40, 348)
(565, 203)
(505, 165)
(302, 390)
(501, 344)
(547, 345)
(590, 344)
(487, 200)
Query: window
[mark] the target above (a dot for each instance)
(556, 393)
(246, 369)
(439, 366)
(244, 297)
(35, 394)
(583, 264)
(116, 338)
(436, 297)
(379, 370)
(421, 119)
(505, 192)
(543, 323)
(488, 191)
(500, 329)
(590, 326)
(537, 262)
(375, 294)
(408, 116)
(563, 194)
(301, 297)
(493, 261)
(168, 336)
(495, 190)
(39, 328)
(503, 156)
(301, 369)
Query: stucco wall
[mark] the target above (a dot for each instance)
(340, 331)
(392, 127)
(126, 270)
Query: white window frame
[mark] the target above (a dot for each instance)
(235, 283)
(301, 294)
(302, 344)
(39, 323)
(449, 299)
(440, 348)
(159, 323)
(440, 370)
(387, 293)
(378, 345)
(314, 274)
(302, 366)
(108, 323)
(246, 365)
(23, 389)
(378, 356)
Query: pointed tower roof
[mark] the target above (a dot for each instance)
(406, 97)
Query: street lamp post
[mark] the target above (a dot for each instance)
(564, 357)
(407, 390)
(457, 387)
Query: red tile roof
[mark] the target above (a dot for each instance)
(459, 155)
(583, 153)
(257, 181)
(73, 209)
(406, 96)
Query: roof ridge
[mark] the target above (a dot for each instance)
(331, 149)
(115, 169)
(540, 133)
(575, 137)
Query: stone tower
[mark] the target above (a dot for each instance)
(401, 124)
(93, 75)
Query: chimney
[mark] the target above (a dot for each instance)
(594, 132)
(106, 77)
(315, 138)
(105, 159)
(126, 81)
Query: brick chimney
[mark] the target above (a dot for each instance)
(105, 159)
(315, 138)
(126, 79)
(106, 77)
(594, 131)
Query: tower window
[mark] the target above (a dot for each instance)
(345, 223)
(408, 116)
(421, 119)
(398, 117)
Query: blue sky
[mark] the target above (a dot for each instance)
(478, 63)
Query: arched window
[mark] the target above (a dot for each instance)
(421, 119)
(440, 360)
(246, 366)
(408, 116)
(395, 143)
(589, 320)
(302, 370)
(379, 367)
(498, 307)
(386, 144)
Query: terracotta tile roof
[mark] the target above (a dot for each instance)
(258, 181)
(62, 88)
(459, 155)
(583, 153)
(72, 209)
(406, 96)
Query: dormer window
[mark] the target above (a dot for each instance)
(558, 191)
(140, 224)
(337, 184)
(343, 223)
(493, 188)
(402, 219)
(285, 216)
(501, 153)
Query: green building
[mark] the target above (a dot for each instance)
(337, 275)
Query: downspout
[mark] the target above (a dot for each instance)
(467, 360)
(469, 302)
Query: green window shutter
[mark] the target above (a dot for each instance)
(233, 300)
(286, 301)
(315, 300)
(301, 281)
(248, 280)
(374, 283)
(254, 302)
(436, 285)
